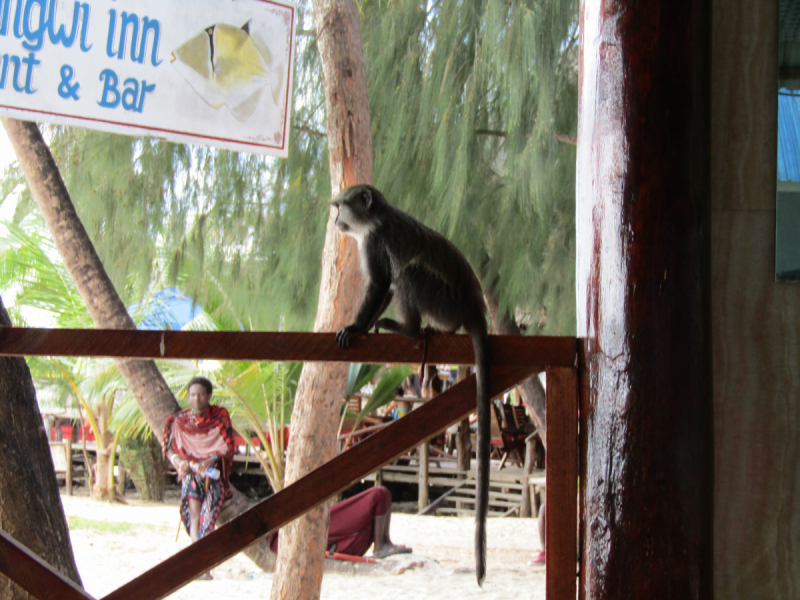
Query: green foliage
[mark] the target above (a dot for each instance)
(467, 99)
(38, 282)
(259, 397)
(359, 375)
(385, 391)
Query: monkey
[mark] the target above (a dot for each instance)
(428, 277)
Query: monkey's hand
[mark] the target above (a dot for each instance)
(348, 333)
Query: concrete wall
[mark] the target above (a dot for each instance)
(756, 322)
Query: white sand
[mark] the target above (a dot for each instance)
(441, 567)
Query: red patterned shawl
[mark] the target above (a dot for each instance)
(196, 438)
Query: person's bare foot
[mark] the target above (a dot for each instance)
(391, 549)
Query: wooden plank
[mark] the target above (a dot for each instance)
(422, 480)
(505, 351)
(313, 489)
(562, 483)
(525, 502)
(33, 574)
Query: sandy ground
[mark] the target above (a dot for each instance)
(115, 542)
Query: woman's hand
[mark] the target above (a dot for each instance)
(183, 468)
(207, 464)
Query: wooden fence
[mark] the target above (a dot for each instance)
(513, 358)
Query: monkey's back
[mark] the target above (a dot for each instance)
(429, 269)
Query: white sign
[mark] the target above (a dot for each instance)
(215, 72)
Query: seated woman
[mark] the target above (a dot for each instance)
(198, 442)
(359, 522)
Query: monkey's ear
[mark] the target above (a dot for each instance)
(367, 198)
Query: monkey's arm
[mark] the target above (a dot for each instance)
(376, 300)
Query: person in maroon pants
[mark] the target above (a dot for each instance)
(359, 522)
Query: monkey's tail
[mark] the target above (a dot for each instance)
(480, 344)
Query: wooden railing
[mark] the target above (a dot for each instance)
(513, 359)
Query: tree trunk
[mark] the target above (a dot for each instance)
(531, 389)
(142, 459)
(30, 507)
(81, 261)
(101, 488)
(106, 308)
(298, 572)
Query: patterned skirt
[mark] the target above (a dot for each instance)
(210, 493)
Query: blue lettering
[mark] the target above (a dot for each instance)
(35, 19)
(18, 19)
(4, 23)
(110, 89)
(60, 36)
(145, 89)
(147, 27)
(9, 59)
(126, 20)
(112, 22)
(130, 22)
(131, 94)
(34, 37)
(30, 62)
(84, 26)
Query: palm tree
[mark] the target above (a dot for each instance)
(107, 310)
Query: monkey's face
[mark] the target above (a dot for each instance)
(353, 216)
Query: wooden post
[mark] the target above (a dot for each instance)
(49, 421)
(422, 450)
(68, 475)
(643, 300)
(525, 503)
(428, 392)
(464, 446)
(562, 483)
(122, 480)
(463, 443)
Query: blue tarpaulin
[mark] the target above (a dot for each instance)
(168, 309)
(788, 135)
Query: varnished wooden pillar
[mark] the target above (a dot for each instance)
(643, 303)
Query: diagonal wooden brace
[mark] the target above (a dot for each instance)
(33, 574)
(513, 358)
(313, 489)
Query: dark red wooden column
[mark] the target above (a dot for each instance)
(643, 275)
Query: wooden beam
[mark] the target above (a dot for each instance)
(643, 285)
(505, 350)
(33, 574)
(313, 489)
(561, 524)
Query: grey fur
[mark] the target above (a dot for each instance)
(428, 278)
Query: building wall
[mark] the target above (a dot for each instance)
(756, 322)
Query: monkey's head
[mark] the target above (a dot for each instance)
(358, 209)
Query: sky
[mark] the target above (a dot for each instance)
(35, 318)
(7, 156)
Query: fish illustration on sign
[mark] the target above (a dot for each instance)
(225, 65)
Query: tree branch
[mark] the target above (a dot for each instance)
(309, 131)
(567, 139)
